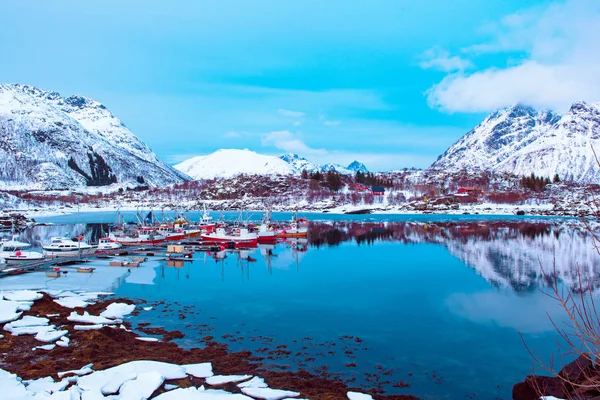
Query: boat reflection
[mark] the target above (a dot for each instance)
(519, 254)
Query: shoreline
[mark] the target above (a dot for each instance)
(530, 211)
(110, 346)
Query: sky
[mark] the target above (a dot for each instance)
(391, 83)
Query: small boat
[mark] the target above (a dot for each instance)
(266, 234)
(14, 252)
(298, 228)
(63, 247)
(106, 244)
(293, 231)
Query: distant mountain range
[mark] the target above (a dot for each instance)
(522, 140)
(52, 142)
(226, 163)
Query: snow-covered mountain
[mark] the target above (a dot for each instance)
(522, 140)
(300, 163)
(226, 163)
(356, 166)
(52, 142)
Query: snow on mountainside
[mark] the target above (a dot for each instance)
(226, 163)
(521, 140)
(356, 166)
(302, 164)
(51, 142)
(299, 163)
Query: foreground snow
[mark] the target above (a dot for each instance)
(135, 380)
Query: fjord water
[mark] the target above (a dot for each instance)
(441, 304)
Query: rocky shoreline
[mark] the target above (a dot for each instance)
(576, 380)
(107, 346)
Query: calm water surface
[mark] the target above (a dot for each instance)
(433, 302)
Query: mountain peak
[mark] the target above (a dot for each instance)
(521, 140)
(70, 145)
(357, 166)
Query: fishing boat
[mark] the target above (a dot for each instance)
(206, 222)
(141, 236)
(298, 228)
(15, 252)
(64, 247)
(236, 237)
(266, 234)
(106, 244)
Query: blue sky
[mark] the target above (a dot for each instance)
(391, 83)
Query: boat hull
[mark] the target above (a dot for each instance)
(52, 253)
(267, 239)
(238, 241)
(292, 235)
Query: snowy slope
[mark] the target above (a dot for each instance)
(51, 142)
(302, 164)
(356, 166)
(522, 141)
(226, 163)
(299, 163)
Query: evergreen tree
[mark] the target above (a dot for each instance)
(556, 179)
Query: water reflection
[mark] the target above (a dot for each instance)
(508, 254)
(518, 255)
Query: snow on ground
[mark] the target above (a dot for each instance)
(222, 379)
(9, 311)
(133, 380)
(268, 394)
(86, 318)
(203, 370)
(359, 396)
(117, 310)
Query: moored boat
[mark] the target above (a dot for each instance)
(15, 252)
(64, 247)
(140, 237)
(237, 236)
(106, 244)
(266, 234)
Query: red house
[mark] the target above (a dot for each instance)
(468, 190)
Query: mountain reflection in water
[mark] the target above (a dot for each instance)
(519, 255)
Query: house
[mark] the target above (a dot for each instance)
(377, 190)
(468, 191)
(360, 187)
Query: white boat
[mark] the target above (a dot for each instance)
(238, 236)
(106, 244)
(15, 252)
(63, 247)
(142, 236)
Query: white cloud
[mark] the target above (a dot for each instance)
(290, 113)
(232, 135)
(288, 142)
(440, 59)
(558, 62)
(332, 123)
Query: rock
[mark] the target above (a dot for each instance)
(533, 385)
(577, 370)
